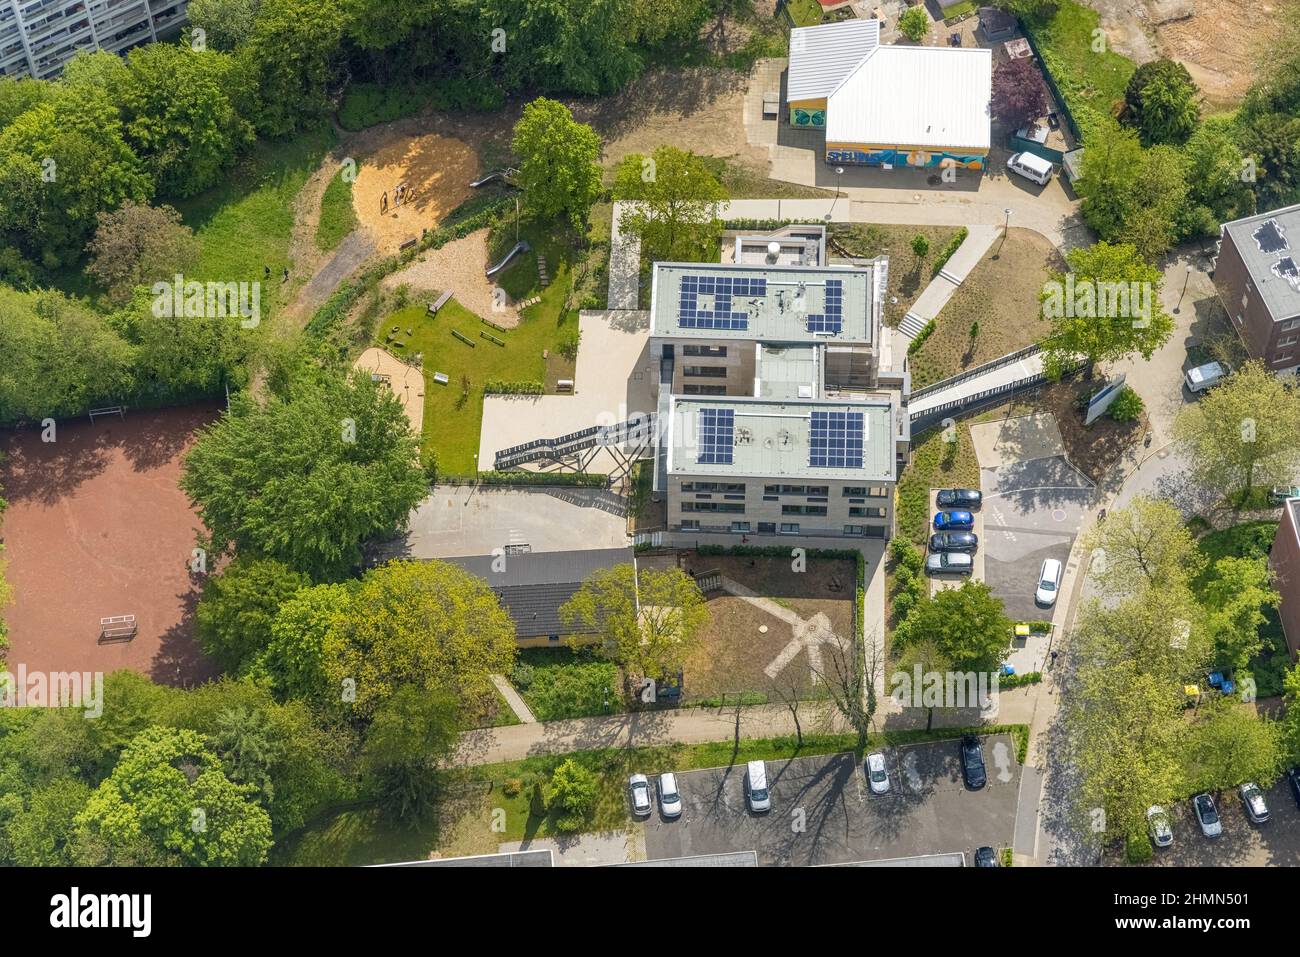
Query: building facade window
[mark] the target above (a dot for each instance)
(803, 509)
(854, 529)
(796, 489)
(789, 528)
(740, 526)
(690, 389)
(869, 511)
(713, 487)
(705, 372)
(711, 352)
(712, 507)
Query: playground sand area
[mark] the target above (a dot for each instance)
(459, 266)
(436, 171)
(405, 381)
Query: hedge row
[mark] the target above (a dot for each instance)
(953, 245)
(506, 387)
(927, 330)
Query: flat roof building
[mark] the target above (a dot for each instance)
(777, 414)
(1257, 275)
(883, 105)
(37, 39)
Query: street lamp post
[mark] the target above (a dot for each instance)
(1006, 227)
(1186, 280)
(839, 171)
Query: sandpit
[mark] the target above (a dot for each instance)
(405, 381)
(436, 170)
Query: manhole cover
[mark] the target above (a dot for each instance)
(1058, 515)
(762, 629)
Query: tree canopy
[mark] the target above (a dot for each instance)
(558, 156)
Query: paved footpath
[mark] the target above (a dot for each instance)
(935, 296)
(696, 726)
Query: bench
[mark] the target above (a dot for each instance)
(117, 628)
(490, 338)
(439, 303)
(465, 339)
(409, 244)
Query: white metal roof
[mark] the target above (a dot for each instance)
(822, 56)
(934, 97)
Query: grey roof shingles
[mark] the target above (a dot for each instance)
(532, 586)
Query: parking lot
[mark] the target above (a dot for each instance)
(1275, 843)
(1032, 512)
(824, 813)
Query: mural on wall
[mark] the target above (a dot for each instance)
(921, 159)
(807, 118)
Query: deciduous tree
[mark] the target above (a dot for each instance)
(677, 197)
(557, 161)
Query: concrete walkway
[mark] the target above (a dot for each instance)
(954, 272)
(1024, 368)
(517, 704)
(624, 264)
(699, 726)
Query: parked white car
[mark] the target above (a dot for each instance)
(877, 776)
(670, 799)
(1252, 797)
(1205, 377)
(1207, 815)
(1049, 582)
(756, 792)
(1031, 167)
(638, 789)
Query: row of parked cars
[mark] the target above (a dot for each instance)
(757, 795)
(953, 543)
(1251, 794)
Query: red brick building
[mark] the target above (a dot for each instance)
(1285, 561)
(1257, 275)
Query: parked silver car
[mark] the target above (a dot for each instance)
(1158, 826)
(1252, 798)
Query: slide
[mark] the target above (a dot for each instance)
(489, 177)
(520, 247)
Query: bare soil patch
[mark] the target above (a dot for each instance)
(459, 266)
(1002, 295)
(1221, 43)
(436, 170)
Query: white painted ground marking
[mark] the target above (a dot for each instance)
(910, 771)
(1002, 760)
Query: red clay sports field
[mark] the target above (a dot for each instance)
(97, 529)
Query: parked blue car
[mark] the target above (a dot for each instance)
(951, 521)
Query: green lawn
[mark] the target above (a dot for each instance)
(908, 273)
(246, 223)
(453, 417)
(338, 216)
(1086, 77)
(564, 683)
(805, 13)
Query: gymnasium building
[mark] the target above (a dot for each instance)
(889, 105)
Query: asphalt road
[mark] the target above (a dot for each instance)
(823, 811)
(1032, 512)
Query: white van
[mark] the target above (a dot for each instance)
(1031, 167)
(756, 793)
(1203, 377)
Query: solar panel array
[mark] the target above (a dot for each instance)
(836, 440)
(717, 436)
(723, 289)
(832, 319)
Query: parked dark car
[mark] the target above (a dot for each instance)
(986, 857)
(959, 498)
(946, 521)
(1293, 778)
(954, 542)
(972, 763)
